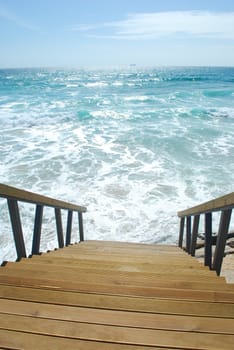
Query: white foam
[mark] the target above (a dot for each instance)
(79, 132)
(96, 84)
(110, 114)
(136, 98)
(222, 112)
(133, 167)
(72, 85)
(117, 83)
(224, 145)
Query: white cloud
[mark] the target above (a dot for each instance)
(83, 27)
(160, 24)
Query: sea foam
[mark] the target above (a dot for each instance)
(134, 146)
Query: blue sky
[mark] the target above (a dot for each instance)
(107, 33)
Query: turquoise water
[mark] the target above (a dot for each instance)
(133, 145)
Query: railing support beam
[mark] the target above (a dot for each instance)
(37, 230)
(223, 204)
(181, 234)
(81, 228)
(194, 234)
(59, 226)
(14, 195)
(221, 240)
(188, 233)
(69, 227)
(16, 228)
(208, 240)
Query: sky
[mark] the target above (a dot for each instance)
(116, 33)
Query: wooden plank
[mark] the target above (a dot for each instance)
(123, 253)
(115, 334)
(92, 244)
(224, 202)
(193, 269)
(30, 197)
(108, 257)
(126, 251)
(123, 244)
(143, 260)
(112, 302)
(158, 271)
(130, 253)
(115, 263)
(118, 318)
(179, 292)
(117, 296)
(102, 276)
(87, 274)
(155, 262)
(136, 247)
(23, 340)
(125, 270)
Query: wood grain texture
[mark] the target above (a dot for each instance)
(104, 295)
(31, 197)
(221, 203)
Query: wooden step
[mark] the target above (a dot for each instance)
(125, 270)
(118, 318)
(27, 341)
(115, 296)
(175, 290)
(113, 302)
(115, 334)
(113, 277)
(166, 259)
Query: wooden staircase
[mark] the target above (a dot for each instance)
(111, 295)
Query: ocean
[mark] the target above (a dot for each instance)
(134, 145)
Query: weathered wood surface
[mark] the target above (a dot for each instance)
(115, 296)
(224, 202)
(30, 197)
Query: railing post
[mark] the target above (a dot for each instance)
(208, 240)
(59, 227)
(16, 228)
(181, 234)
(69, 227)
(37, 230)
(81, 228)
(221, 240)
(194, 234)
(188, 233)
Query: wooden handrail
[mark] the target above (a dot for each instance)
(13, 195)
(224, 204)
(31, 197)
(221, 203)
